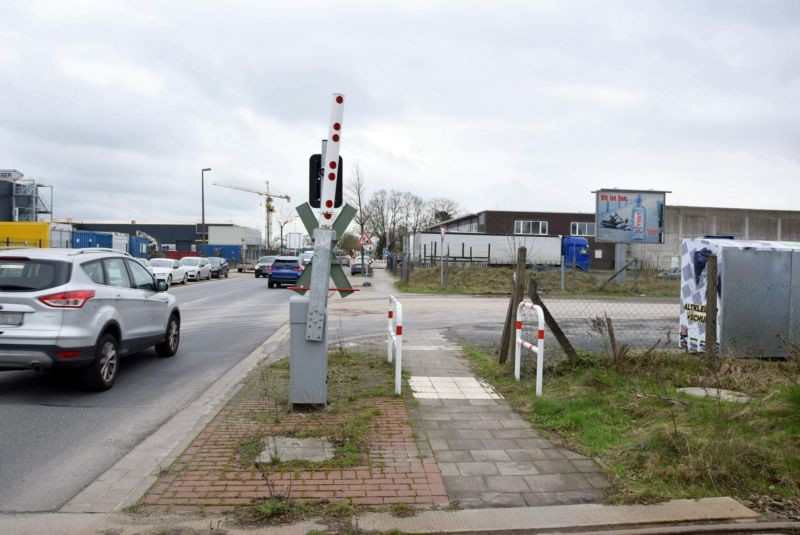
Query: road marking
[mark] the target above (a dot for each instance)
(195, 301)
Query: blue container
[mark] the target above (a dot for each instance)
(576, 252)
(83, 238)
(231, 253)
(137, 246)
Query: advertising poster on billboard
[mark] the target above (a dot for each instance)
(630, 216)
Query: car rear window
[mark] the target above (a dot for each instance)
(286, 263)
(24, 275)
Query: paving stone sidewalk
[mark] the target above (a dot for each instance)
(488, 455)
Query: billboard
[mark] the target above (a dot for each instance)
(629, 216)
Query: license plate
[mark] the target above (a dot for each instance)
(10, 318)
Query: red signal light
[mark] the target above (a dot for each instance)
(339, 99)
(337, 126)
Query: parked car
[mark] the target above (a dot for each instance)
(671, 273)
(169, 270)
(306, 257)
(344, 260)
(219, 267)
(263, 265)
(81, 309)
(356, 266)
(197, 267)
(285, 270)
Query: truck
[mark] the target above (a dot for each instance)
(500, 249)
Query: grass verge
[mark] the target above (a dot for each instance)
(657, 443)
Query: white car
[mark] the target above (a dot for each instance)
(197, 267)
(169, 270)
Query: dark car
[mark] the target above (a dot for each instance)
(356, 266)
(219, 267)
(285, 270)
(264, 265)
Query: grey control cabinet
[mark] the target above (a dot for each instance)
(308, 360)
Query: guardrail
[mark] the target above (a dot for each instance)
(394, 341)
(538, 348)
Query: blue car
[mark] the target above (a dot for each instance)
(285, 270)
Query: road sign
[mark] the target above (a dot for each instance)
(386, 252)
(10, 175)
(365, 240)
(442, 229)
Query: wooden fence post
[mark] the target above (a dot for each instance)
(517, 293)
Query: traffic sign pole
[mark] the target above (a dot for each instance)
(442, 230)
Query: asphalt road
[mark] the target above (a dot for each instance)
(56, 438)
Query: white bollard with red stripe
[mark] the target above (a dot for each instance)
(538, 348)
(395, 341)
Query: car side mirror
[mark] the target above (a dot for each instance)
(161, 285)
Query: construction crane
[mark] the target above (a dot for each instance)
(268, 207)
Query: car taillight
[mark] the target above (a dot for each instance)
(298, 268)
(75, 299)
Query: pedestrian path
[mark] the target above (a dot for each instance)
(488, 455)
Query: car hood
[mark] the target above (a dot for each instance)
(164, 270)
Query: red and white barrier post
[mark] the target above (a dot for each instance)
(394, 341)
(538, 348)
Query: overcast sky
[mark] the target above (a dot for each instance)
(497, 105)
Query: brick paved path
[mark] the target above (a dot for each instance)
(488, 455)
(208, 476)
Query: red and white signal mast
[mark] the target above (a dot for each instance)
(331, 156)
(308, 359)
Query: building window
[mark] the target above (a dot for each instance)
(580, 228)
(530, 227)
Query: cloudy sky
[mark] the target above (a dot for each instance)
(498, 105)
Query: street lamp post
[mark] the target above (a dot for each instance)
(204, 233)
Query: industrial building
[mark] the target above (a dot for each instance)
(680, 222)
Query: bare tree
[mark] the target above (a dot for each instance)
(285, 216)
(357, 196)
(395, 212)
(441, 209)
(377, 214)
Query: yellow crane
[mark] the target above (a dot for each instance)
(268, 207)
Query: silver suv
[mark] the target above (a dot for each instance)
(81, 308)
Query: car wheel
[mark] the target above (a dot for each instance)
(185, 278)
(102, 372)
(226, 274)
(169, 281)
(270, 284)
(257, 275)
(169, 346)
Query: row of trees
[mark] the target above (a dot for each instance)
(391, 215)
